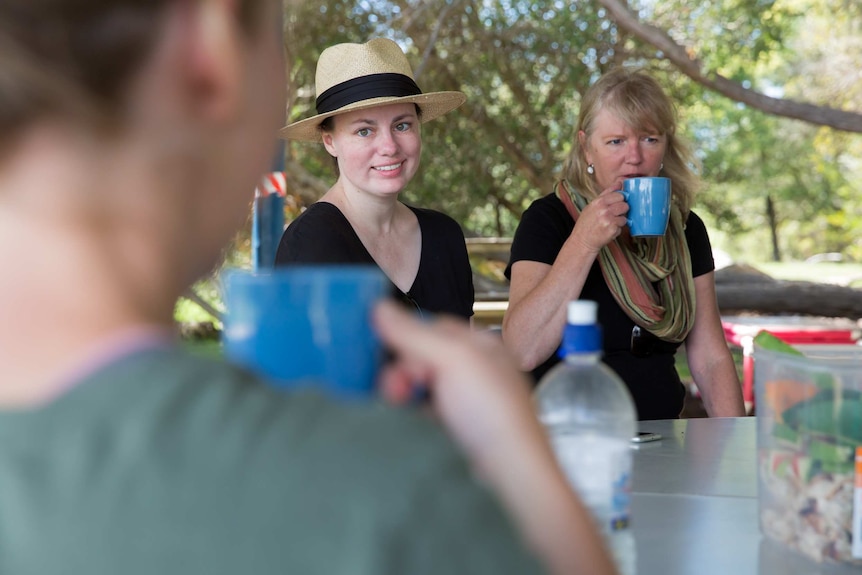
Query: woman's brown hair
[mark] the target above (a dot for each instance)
(75, 58)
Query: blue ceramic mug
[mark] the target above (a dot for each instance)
(307, 325)
(649, 205)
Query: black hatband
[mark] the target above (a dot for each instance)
(366, 88)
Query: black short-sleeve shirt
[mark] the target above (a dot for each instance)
(653, 380)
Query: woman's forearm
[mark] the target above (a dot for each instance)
(719, 386)
(538, 294)
(709, 358)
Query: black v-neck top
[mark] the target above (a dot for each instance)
(444, 281)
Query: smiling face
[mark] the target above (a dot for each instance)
(617, 151)
(377, 149)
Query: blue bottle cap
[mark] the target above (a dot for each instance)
(581, 339)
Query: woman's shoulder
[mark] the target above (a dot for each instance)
(699, 246)
(318, 218)
(548, 209)
(430, 215)
(320, 234)
(695, 219)
(319, 212)
(433, 219)
(694, 224)
(548, 203)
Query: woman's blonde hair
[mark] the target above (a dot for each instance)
(639, 101)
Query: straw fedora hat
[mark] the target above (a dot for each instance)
(359, 76)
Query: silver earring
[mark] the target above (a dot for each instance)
(591, 170)
(661, 167)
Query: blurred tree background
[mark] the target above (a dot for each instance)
(776, 188)
(742, 72)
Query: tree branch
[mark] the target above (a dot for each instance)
(693, 68)
(191, 295)
(432, 41)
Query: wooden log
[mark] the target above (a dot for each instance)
(790, 298)
(744, 289)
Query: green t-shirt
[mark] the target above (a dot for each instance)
(164, 463)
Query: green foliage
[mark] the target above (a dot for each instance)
(732, 36)
(524, 64)
(187, 310)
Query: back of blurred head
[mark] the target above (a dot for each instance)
(76, 59)
(132, 133)
(639, 101)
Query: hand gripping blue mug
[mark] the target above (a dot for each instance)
(649, 205)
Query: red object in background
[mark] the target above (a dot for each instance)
(794, 330)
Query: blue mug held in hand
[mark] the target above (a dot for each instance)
(306, 326)
(649, 205)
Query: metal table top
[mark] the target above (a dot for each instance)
(694, 509)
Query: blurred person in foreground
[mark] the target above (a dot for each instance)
(131, 135)
(654, 294)
(369, 118)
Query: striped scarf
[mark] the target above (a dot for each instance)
(651, 281)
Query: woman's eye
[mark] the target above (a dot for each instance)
(402, 126)
(363, 132)
(651, 139)
(615, 141)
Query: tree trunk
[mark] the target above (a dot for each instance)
(790, 298)
(739, 289)
(773, 228)
(742, 288)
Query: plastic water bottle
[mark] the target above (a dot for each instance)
(590, 417)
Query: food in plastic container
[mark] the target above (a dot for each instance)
(809, 425)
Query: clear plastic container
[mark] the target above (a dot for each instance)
(809, 412)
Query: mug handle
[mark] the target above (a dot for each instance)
(626, 198)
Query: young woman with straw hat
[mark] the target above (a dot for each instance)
(369, 118)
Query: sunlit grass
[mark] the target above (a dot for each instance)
(825, 272)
